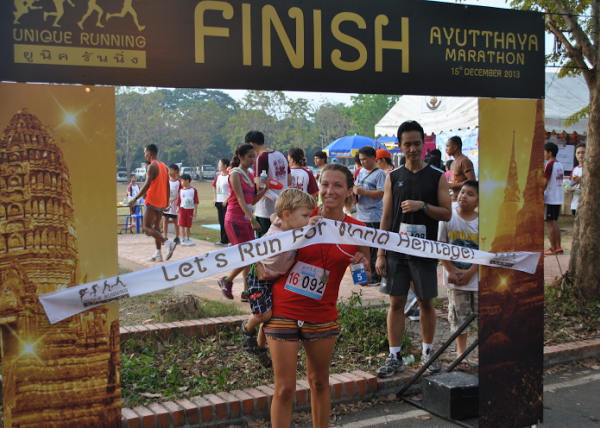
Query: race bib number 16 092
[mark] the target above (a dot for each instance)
(306, 279)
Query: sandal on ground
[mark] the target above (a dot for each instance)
(249, 339)
(263, 357)
(464, 364)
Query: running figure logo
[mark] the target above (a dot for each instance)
(127, 8)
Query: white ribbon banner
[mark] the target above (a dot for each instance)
(73, 300)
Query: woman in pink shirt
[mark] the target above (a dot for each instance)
(240, 223)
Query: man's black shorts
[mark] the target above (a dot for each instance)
(551, 212)
(400, 272)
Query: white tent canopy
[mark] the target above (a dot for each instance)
(564, 97)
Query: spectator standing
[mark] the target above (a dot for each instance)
(416, 198)
(553, 197)
(462, 167)
(384, 162)
(448, 172)
(302, 178)
(320, 161)
(221, 198)
(132, 190)
(240, 221)
(157, 190)
(187, 208)
(170, 215)
(277, 168)
(462, 279)
(370, 184)
(357, 166)
(576, 176)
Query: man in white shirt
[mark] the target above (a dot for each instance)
(277, 168)
(553, 197)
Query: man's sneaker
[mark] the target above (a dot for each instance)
(435, 366)
(549, 252)
(559, 250)
(190, 243)
(226, 287)
(411, 303)
(416, 316)
(245, 296)
(391, 366)
(155, 258)
(220, 244)
(374, 282)
(170, 246)
(177, 241)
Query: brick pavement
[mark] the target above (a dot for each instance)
(232, 408)
(137, 249)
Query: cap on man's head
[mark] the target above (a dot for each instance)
(382, 154)
(334, 160)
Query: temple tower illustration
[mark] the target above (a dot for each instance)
(47, 365)
(528, 231)
(505, 228)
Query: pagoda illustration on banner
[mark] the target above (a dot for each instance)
(77, 360)
(514, 300)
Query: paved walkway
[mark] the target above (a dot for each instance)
(134, 251)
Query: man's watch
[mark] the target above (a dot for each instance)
(425, 207)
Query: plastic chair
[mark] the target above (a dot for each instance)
(138, 215)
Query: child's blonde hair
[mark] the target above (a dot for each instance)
(291, 200)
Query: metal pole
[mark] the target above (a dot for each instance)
(437, 354)
(463, 356)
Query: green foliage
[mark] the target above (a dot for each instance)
(365, 327)
(368, 109)
(576, 117)
(199, 126)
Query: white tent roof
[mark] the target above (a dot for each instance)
(564, 97)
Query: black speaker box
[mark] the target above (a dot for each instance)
(453, 395)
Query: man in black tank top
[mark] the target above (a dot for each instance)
(416, 199)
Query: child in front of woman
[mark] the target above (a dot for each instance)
(293, 209)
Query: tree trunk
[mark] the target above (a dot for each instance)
(585, 254)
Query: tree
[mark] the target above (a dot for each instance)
(576, 25)
(198, 129)
(332, 122)
(128, 105)
(368, 109)
(157, 125)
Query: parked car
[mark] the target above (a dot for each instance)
(209, 171)
(140, 174)
(193, 172)
(122, 177)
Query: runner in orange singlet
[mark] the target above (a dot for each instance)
(157, 192)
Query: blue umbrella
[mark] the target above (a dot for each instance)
(389, 143)
(348, 146)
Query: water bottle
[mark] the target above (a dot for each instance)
(263, 179)
(409, 359)
(125, 201)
